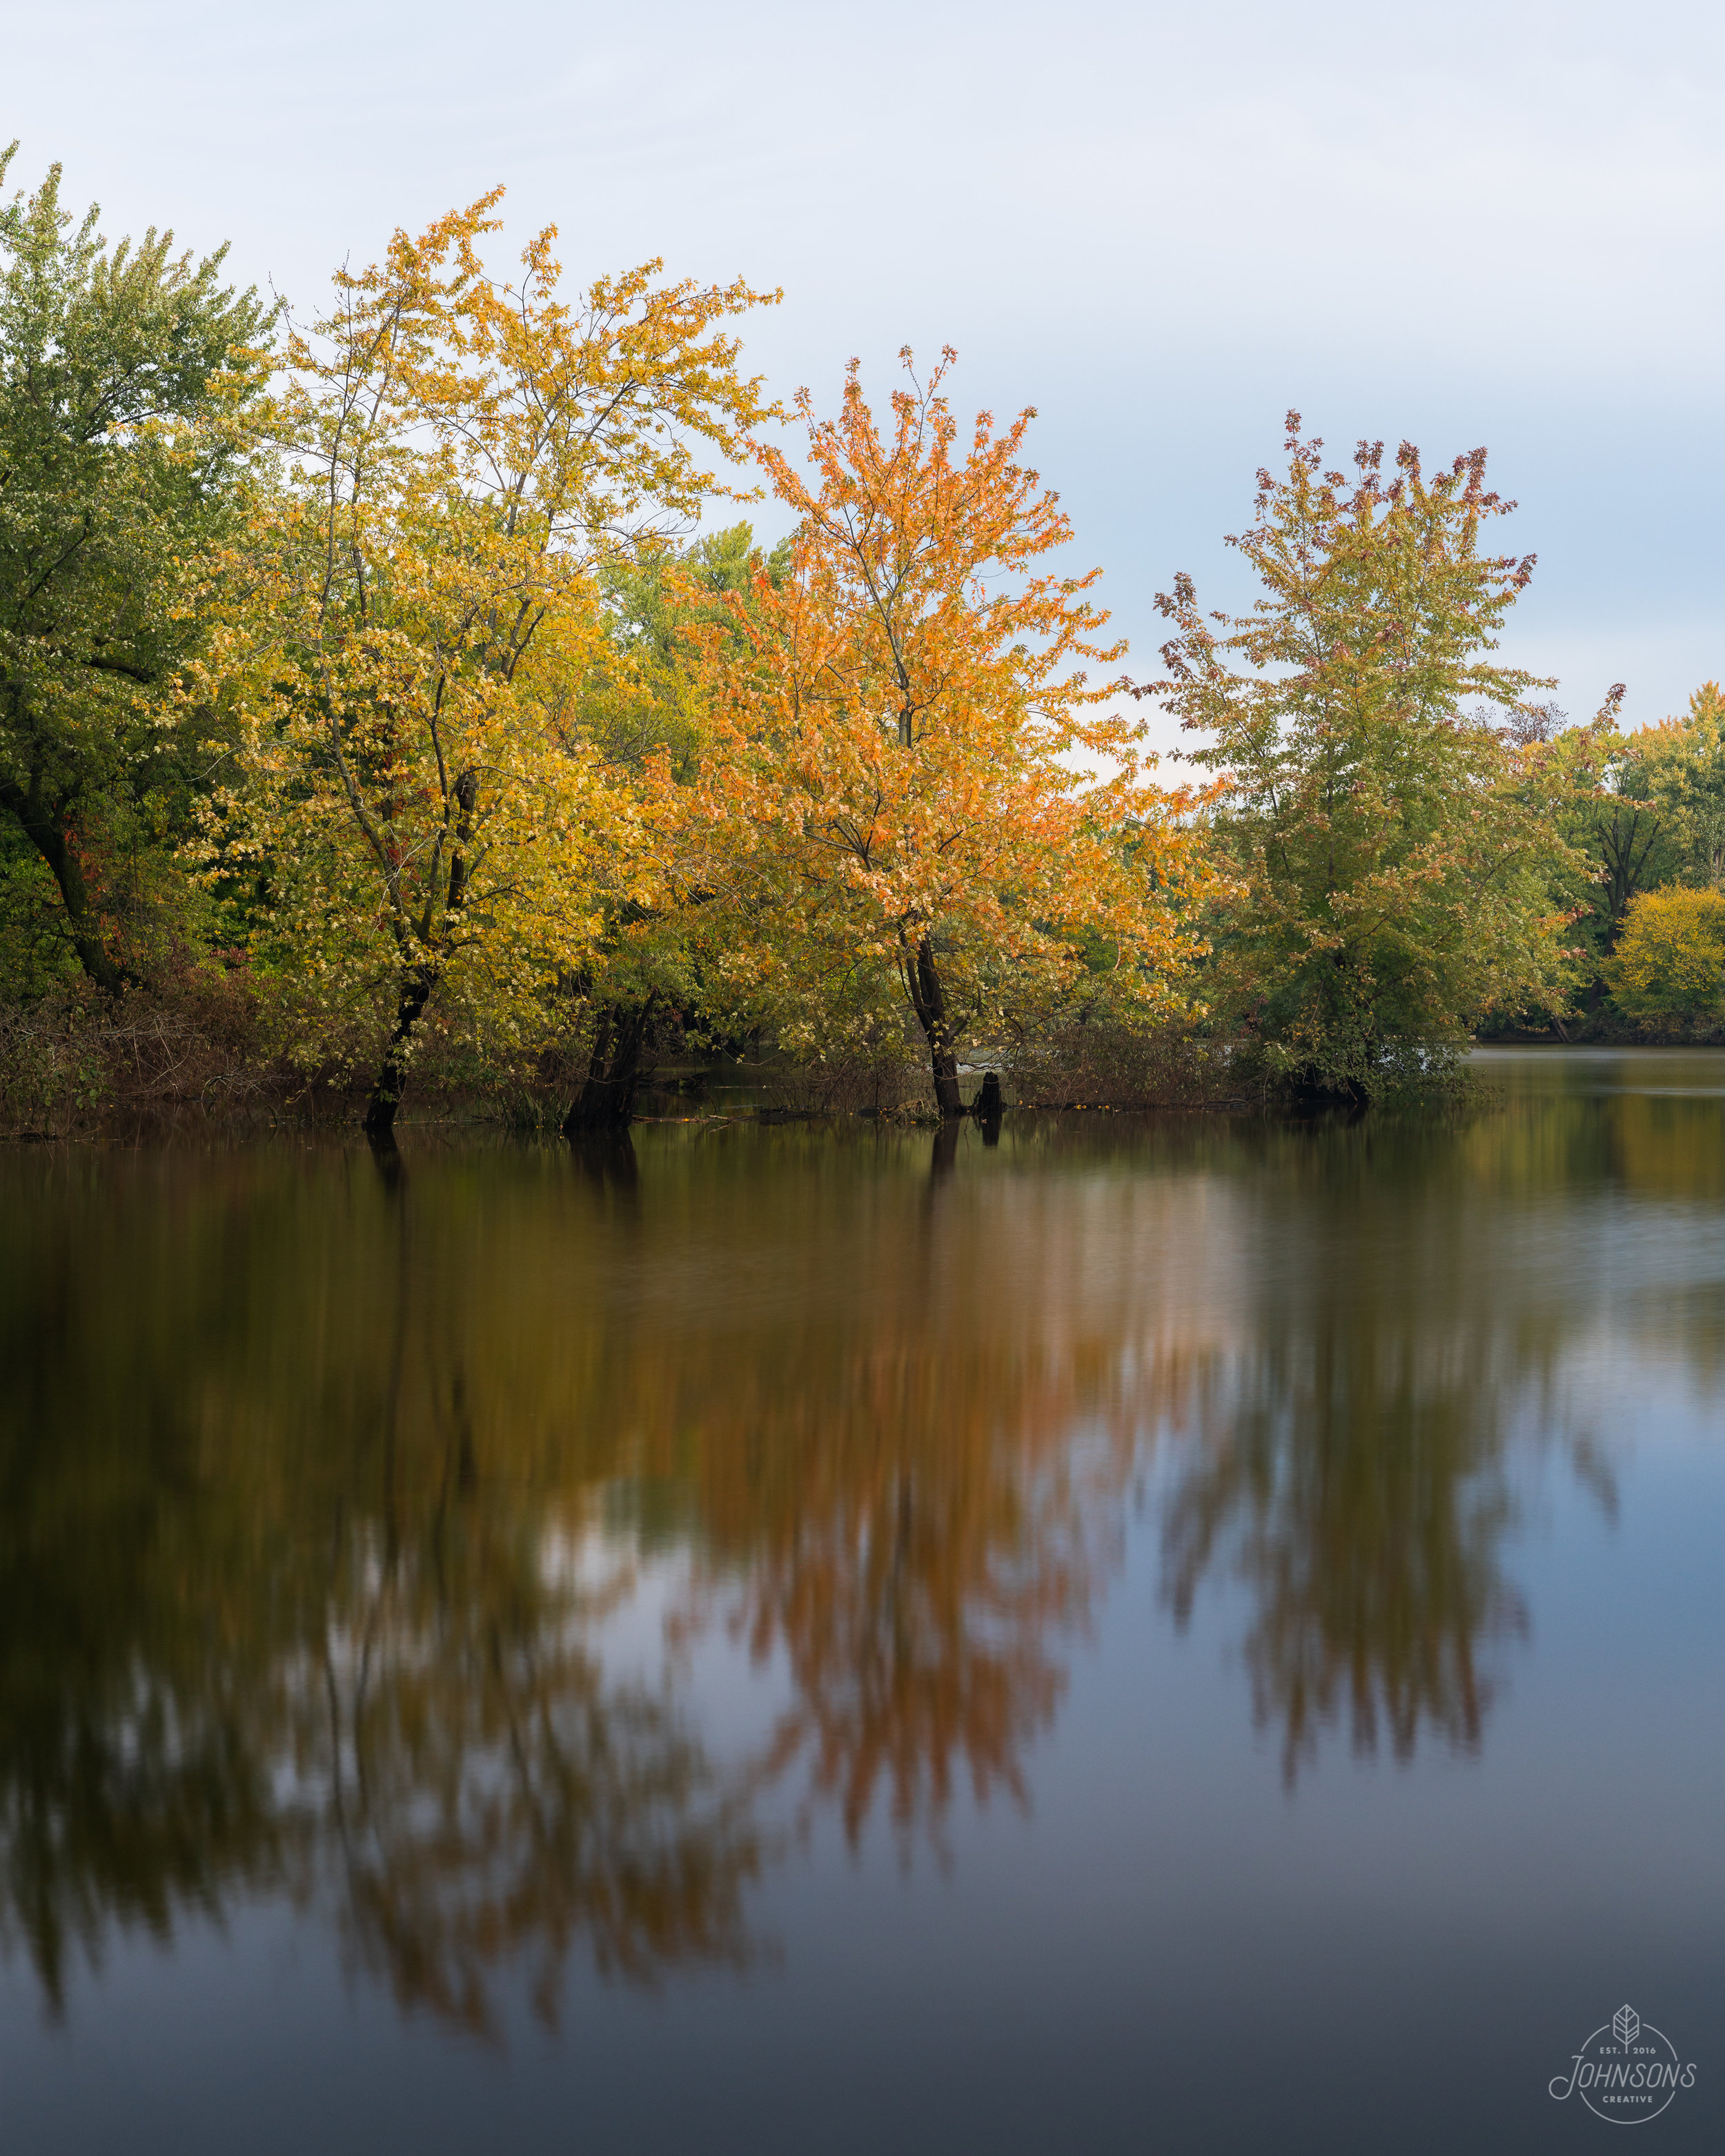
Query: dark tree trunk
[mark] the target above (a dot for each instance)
(987, 1108)
(392, 1078)
(607, 1098)
(44, 825)
(419, 981)
(928, 1000)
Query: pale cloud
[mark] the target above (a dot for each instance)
(1162, 226)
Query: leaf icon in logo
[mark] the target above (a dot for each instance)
(1626, 2024)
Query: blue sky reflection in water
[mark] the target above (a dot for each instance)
(1174, 1634)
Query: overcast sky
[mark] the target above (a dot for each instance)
(1162, 226)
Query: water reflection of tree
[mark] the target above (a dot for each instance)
(1350, 1462)
(439, 1745)
(122, 1804)
(490, 1797)
(130, 1788)
(920, 1552)
(1356, 1487)
(887, 1490)
(360, 1546)
(317, 1494)
(310, 1639)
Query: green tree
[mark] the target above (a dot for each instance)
(642, 711)
(112, 484)
(1588, 780)
(646, 701)
(1679, 767)
(1396, 863)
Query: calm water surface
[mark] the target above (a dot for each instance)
(1174, 1635)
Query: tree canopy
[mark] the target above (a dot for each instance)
(1398, 879)
(458, 458)
(397, 671)
(118, 366)
(901, 797)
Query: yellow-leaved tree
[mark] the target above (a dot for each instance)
(1670, 960)
(409, 823)
(916, 789)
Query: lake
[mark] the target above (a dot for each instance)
(1183, 1633)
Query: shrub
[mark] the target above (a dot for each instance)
(1670, 960)
(187, 1047)
(1109, 1065)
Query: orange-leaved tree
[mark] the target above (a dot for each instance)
(916, 785)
